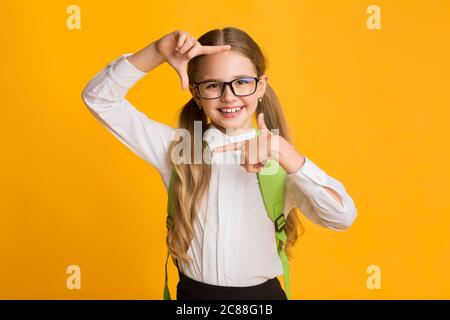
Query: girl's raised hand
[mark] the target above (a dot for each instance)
(258, 150)
(178, 47)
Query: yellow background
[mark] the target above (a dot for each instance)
(370, 107)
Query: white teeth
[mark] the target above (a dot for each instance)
(231, 110)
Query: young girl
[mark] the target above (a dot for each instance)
(222, 238)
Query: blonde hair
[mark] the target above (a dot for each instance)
(192, 180)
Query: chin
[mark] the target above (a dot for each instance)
(232, 124)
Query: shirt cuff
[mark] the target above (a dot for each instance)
(123, 73)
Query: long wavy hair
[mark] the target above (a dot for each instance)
(192, 180)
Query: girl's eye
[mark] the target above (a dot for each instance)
(243, 81)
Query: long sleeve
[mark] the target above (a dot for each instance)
(305, 190)
(104, 96)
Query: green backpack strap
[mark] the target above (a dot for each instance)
(272, 186)
(169, 222)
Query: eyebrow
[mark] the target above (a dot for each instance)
(234, 77)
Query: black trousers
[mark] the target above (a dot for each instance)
(190, 289)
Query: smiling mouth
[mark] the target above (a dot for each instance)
(231, 110)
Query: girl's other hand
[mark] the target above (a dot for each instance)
(178, 47)
(257, 151)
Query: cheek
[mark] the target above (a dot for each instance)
(209, 108)
(210, 111)
(251, 104)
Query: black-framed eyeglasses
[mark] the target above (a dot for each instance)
(241, 87)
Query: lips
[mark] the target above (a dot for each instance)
(232, 112)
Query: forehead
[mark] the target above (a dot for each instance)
(224, 66)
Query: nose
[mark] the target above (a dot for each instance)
(228, 93)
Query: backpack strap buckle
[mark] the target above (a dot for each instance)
(280, 222)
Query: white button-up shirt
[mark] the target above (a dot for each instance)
(234, 242)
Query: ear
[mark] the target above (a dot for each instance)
(262, 84)
(194, 94)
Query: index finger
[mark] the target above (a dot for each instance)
(229, 147)
(214, 49)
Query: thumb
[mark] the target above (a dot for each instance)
(261, 123)
(183, 77)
